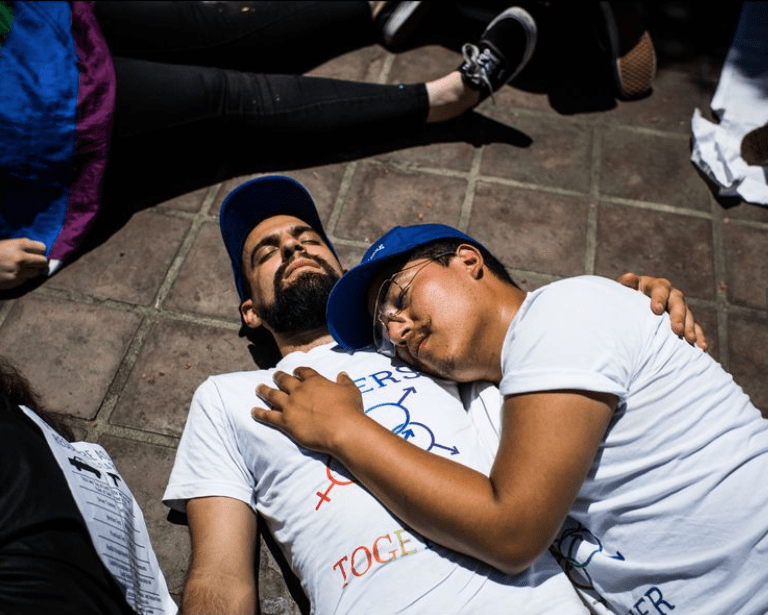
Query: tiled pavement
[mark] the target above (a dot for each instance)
(119, 340)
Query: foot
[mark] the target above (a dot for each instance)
(629, 47)
(503, 51)
(396, 21)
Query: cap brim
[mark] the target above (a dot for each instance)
(347, 315)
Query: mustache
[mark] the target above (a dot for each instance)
(417, 336)
(280, 273)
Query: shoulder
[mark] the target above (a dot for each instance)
(584, 287)
(585, 333)
(582, 299)
(226, 392)
(236, 379)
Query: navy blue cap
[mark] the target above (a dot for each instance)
(253, 202)
(347, 315)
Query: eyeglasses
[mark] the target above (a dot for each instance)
(385, 309)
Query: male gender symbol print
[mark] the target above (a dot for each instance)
(396, 417)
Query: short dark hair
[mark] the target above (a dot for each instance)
(443, 250)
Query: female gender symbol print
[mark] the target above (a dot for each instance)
(397, 418)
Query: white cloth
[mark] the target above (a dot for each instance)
(114, 520)
(672, 514)
(351, 555)
(740, 105)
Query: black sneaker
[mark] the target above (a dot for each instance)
(504, 49)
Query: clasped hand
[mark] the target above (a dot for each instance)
(312, 410)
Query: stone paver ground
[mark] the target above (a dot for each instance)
(119, 340)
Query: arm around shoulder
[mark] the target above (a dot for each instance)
(221, 578)
(548, 444)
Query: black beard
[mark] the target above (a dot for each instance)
(300, 306)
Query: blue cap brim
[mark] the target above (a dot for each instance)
(347, 315)
(253, 202)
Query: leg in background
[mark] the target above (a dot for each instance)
(269, 37)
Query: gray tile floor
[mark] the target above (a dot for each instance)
(119, 340)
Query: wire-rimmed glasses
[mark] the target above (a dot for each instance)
(390, 302)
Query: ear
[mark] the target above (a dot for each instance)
(250, 316)
(471, 259)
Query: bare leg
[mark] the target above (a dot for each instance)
(449, 98)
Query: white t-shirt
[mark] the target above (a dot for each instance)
(351, 555)
(673, 516)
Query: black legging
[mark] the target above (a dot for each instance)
(188, 114)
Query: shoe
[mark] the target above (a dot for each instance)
(503, 51)
(629, 47)
(396, 21)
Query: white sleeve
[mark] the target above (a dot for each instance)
(583, 333)
(208, 460)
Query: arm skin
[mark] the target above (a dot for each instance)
(21, 260)
(221, 578)
(548, 443)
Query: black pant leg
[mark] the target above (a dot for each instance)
(268, 37)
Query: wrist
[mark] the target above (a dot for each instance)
(357, 434)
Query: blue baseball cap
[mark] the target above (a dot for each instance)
(253, 202)
(347, 315)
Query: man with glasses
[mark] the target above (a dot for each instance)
(631, 452)
(351, 555)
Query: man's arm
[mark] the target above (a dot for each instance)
(548, 443)
(221, 578)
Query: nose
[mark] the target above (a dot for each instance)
(398, 328)
(289, 244)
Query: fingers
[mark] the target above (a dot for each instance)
(664, 296)
(693, 332)
(681, 316)
(20, 260)
(690, 328)
(302, 373)
(32, 266)
(274, 398)
(343, 378)
(288, 382)
(268, 417)
(701, 339)
(284, 381)
(274, 415)
(675, 304)
(32, 246)
(632, 280)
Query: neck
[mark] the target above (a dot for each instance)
(507, 301)
(301, 341)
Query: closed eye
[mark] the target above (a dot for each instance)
(264, 253)
(399, 303)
